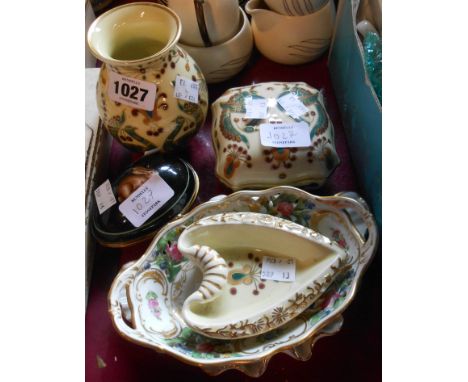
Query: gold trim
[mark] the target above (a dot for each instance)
(221, 276)
(159, 278)
(216, 285)
(304, 181)
(215, 266)
(276, 316)
(218, 366)
(110, 61)
(224, 365)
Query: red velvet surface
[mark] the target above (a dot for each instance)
(354, 354)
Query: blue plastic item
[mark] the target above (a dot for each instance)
(360, 109)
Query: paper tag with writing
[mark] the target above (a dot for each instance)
(131, 91)
(293, 106)
(256, 108)
(285, 134)
(186, 89)
(274, 268)
(104, 196)
(146, 200)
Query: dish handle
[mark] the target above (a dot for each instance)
(361, 218)
(119, 310)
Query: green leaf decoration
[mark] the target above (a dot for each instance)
(170, 236)
(322, 120)
(300, 204)
(238, 276)
(338, 302)
(161, 260)
(172, 271)
(286, 198)
(230, 131)
(186, 333)
(131, 131)
(151, 295)
(170, 142)
(308, 98)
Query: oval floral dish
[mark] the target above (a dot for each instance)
(146, 297)
(213, 244)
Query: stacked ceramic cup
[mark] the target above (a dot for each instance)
(292, 31)
(216, 33)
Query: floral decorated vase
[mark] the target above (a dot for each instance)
(136, 90)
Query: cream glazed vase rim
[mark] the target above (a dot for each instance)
(116, 18)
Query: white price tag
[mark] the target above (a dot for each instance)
(294, 107)
(274, 268)
(256, 108)
(146, 200)
(131, 91)
(104, 196)
(285, 134)
(186, 89)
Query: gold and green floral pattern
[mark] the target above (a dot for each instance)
(172, 121)
(241, 160)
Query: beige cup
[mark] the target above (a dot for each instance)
(291, 40)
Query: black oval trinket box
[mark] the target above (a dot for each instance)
(113, 229)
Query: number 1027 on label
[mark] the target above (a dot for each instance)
(131, 91)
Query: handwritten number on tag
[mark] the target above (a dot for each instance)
(186, 89)
(278, 269)
(146, 199)
(285, 134)
(104, 197)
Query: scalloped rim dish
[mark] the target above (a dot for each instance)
(251, 355)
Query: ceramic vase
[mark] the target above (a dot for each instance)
(137, 43)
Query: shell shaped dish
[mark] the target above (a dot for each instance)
(241, 160)
(146, 298)
(224, 306)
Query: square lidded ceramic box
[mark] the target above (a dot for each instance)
(241, 159)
